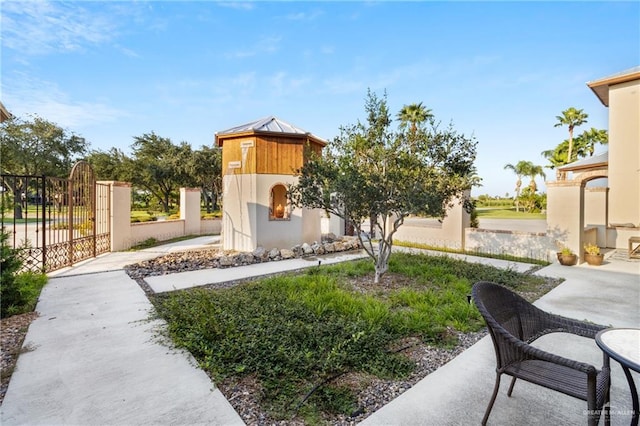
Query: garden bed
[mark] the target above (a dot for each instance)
(328, 346)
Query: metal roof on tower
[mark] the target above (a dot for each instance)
(269, 124)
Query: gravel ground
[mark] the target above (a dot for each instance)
(12, 332)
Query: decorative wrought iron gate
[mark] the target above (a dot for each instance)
(56, 222)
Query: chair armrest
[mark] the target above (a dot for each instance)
(550, 323)
(570, 325)
(531, 352)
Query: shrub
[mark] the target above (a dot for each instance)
(18, 292)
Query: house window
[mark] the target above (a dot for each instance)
(279, 203)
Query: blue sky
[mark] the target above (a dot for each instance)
(501, 71)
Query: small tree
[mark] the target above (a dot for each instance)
(372, 171)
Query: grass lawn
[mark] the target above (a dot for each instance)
(10, 220)
(295, 335)
(148, 215)
(492, 213)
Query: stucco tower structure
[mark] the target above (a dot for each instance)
(259, 160)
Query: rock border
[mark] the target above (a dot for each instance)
(216, 258)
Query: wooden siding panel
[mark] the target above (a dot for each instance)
(232, 153)
(278, 155)
(269, 155)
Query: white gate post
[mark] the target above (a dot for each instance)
(120, 214)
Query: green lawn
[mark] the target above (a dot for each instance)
(493, 213)
(10, 220)
(295, 334)
(148, 215)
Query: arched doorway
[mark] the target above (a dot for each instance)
(279, 203)
(577, 213)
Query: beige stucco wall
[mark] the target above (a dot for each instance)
(565, 224)
(450, 233)
(120, 214)
(624, 153)
(210, 226)
(161, 231)
(533, 245)
(595, 213)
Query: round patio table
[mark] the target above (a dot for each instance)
(623, 345)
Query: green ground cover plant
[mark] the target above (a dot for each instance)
(154, 242)
(296, 333)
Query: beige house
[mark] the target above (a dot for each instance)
(259, 160)
(607, 215)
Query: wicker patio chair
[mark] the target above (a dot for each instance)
(513, 324)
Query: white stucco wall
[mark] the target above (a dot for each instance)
(190, 210)
(239, 215)
(246, 224)
(279, 233)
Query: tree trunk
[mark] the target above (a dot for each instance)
(570, 145)
(382, 261)
(165, 204)
(372, 226)
(17, 205)
(208, 200)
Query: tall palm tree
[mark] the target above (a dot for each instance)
(412, 115)
(592, 137)
(571, 118)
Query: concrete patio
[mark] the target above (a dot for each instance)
(93, 357)
(458, 393)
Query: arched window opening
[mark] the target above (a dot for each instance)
(279, 203)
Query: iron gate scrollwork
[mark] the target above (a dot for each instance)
(56, 222)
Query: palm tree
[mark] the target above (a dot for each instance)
(592, 137)
(571, 118)
(533, 171)
(412, 115)
(519, 171)
(525, 168)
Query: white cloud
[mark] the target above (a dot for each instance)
(304, 16)
(239, 5)
(344, 85)
(24, 96)
(269, 45)
(41, 27)
(281, 84)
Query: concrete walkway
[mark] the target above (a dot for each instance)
(94, 357)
